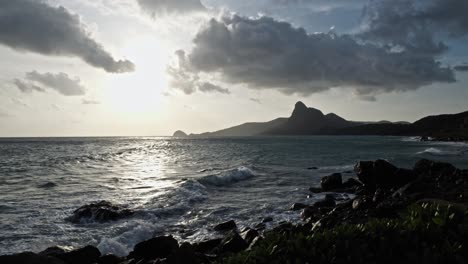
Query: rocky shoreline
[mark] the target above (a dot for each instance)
(390, 207)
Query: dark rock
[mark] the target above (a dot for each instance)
(377, 173)
(29, 258)
(249, 235)
(378, 196)
(100, 212)
(110, 259)
(254, 242)
(360, 203)
(313, 168)
(184, 255)
(54, 251)
(48, 185)
(297, 206)
(233, 243)
(226, 226)
(260, 226)
(351, 183)
(329, 201)
(158, 247)
(207, 246)
(310, 212)
(86, 255)
(348, 172)
(331, 182)
(315, 190)
(267, 219)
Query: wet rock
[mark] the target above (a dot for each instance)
(297, 206)
(249, 235)
(101, 212)
(157, 247)
(376, 173)
(29, 258)
(378, 196)
(184, 255)
(310, 212)
(331, 182)
(260, 226)
(315, 190)
(328, 201)
(360, 203)
(110, 259)
(233, 243)
(56, 250)
(48, 185)
(313, 168)
(86, 255)
(226, 226)
(207, 246)
(351, 183)
(267, 219)
(254, 242)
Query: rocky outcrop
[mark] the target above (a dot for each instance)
(180, 133)
(100, 212)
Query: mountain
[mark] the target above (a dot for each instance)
(179, 133)
(310, 121)
(247, 129)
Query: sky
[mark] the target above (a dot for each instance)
(150, 67)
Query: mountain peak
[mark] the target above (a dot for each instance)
(300, 105)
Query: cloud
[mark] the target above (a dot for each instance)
(4, 114)
(157, 7)
(263, 53)
(90, 102)
(461, 67)
(415, 25)
(27, 87)
(60, 82)
(208, 87)
(19, 102)
(256, 100)
(33, 25)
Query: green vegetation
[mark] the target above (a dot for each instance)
(425, 233)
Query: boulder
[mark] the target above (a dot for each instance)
(207, 246)
(249, 235)
(185, 254)
(351, 183)
(226, 226)
(110, 259)
(29, 258)
(315, 190)
(376, 173)
(267, 219)
(101, 212)
(297, 206)
(233, 243)
(331, 182)
(86, 255)
(157, 247)
(328, 201)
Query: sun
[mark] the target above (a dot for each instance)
(141, 91)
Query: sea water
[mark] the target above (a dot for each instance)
(175, 186)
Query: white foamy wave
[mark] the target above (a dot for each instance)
(411, 139)
(228, 177)
(439, 152)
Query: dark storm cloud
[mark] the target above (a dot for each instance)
(415, 25)
(208, 87)
(155, 7)
(264, 53)
(33, 25)
(461, 67)
(59, 82)
(27, 87)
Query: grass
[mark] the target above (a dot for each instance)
(425, 233)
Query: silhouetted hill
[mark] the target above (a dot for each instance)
(310, 121)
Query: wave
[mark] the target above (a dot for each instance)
(227, 177)
(411, 139)
(337, 168)
(440, 152)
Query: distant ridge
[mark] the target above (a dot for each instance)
(310, 121)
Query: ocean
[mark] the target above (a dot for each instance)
(176, 186)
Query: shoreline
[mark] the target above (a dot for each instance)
(382, 192)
